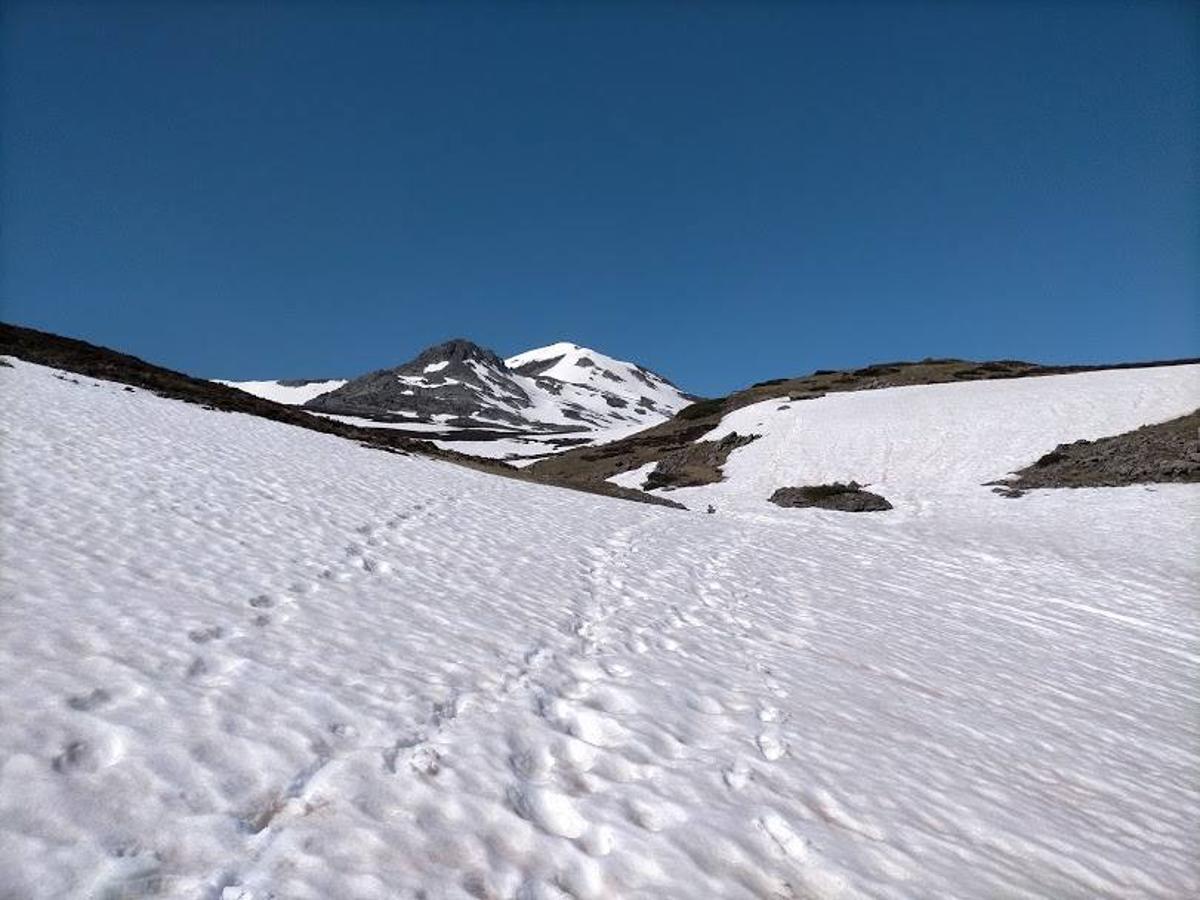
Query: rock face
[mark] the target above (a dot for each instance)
(695, 464)
(457, 380)
(837, 496)
(1161, 453)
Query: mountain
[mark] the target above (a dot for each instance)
(302, 667)
(521, 408)
(556, 389)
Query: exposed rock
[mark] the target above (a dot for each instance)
(1161, 453)
(457, 378)
(696, 464)
(837, 496)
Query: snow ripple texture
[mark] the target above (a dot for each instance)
(242, 660)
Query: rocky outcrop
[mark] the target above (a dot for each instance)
(1153, 454)
(456, 380)
(837, 496)
(695, 464)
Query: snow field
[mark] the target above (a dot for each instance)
(935, 445)
(293, 395)
(240, 659)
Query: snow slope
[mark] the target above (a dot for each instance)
(244, 660)
(935, 444)
(573, 364)
(290, 394)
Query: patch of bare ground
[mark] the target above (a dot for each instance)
(1153, 454)
(696, 464)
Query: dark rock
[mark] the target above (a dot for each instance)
(696, 464)
(837, 496)
(466, 372)
(1153, 454)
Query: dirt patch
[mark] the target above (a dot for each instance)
(1153, 454)
(695, 464)
(836, 496)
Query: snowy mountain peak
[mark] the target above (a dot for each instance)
(576, 364)
(459, 386)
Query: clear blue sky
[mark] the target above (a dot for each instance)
(723, 191)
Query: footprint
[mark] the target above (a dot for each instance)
(737, 775)
(204, 635)
(654, 816)
(597, 841)
(549, 810)
(589, 726)
(426, 761)
(375, 566)
(782, 835)
(770, 746)
(533, 764)
(262, 601)
(75, 755)
(86, 702)
(392, 754)
(768, 714)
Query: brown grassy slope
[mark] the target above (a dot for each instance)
(591, 465)
(102, 363)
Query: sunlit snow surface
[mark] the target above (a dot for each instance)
(295, 394)
(240, 659)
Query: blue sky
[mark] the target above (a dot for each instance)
(723, 191)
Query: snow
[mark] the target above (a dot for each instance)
(240, 659)
(634, 478)
(936, 444)
(437, 366)
(361, 422)
(295, 395)
(589, 368)
(532, 446)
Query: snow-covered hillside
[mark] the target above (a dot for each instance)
(936, 444)
(601, 375)
(290, 393)
(244, 660)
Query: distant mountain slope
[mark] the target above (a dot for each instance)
(556, 389)
(572, 364)
(528, 406)
(292, 392)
